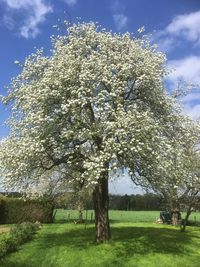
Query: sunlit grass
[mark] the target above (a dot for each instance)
(4, 229)
(134, 244)
(118, 216)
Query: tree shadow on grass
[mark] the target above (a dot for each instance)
(79, 238)
(145, 240)
(126, 242)
(140, 239)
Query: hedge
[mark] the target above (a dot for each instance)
(18, 235)
(16, 210)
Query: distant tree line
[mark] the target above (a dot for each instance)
(147, 201)
(136, 202)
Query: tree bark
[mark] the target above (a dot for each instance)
(80, 213)
(185, 221)
(101, 205)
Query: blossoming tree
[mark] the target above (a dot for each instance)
(97, 104)
(178, 182)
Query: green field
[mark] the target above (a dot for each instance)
(119, 216)
(115, 216)
(136, 241)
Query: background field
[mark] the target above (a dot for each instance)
(118, 216)
(136, 242)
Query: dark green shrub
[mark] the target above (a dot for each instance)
(16, 210)
(11, 243)
(4, 244)
(2, 209)
(18, 235)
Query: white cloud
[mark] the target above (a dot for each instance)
(123, 185)
(17, 3)
(70, 2)
(191, 97)
(182, 27)
(183, 30)
(8, 21)
(120, 21)
(186, 69)
(191, 104)
(165, 42)
(193, 111)
(118, 15)
(34, 13)
(187, 26)
(117, 6)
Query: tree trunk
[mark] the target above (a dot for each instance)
(80, 213)
(185, 221)
(101, 204)
(193, 202)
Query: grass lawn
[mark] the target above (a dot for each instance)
(119, 216)
(115, 216)
(133, 243)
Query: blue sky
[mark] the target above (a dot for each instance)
(175, 25)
